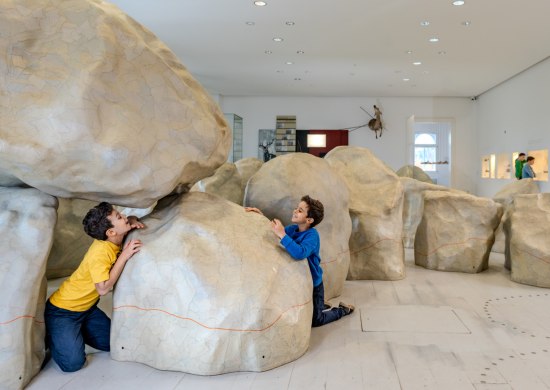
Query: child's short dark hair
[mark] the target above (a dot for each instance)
(96, 222)
(315, 209)
(530, 158)
(521, 154)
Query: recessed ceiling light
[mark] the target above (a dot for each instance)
(260, 3)
(277, 39)
(466, 23)
(434, 39)
(406, 79)
(417, 63)
(250, 23)
(409, 51)
(442, 53)
(458, 2)
(300, 52)
(289, 62)
(268, 52)
(424, 23)
(290, 23)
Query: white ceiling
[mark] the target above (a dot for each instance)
(351, 47)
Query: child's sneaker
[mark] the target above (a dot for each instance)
(348, 309)
(327, 306)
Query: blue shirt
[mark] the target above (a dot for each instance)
(301, 245)
(527, 172)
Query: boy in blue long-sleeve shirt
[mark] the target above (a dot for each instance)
(301, 241)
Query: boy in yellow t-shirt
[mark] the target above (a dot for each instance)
(72, 316)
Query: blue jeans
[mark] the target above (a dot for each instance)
(67, 331)
(321, 317)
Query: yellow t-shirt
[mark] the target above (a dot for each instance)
(78, 292)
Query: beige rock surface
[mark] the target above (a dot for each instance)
(27, 220)
(376, 209)
(94, 106)
(456, 232)
(505, 197)
(413, 172)
(277, 188)
(70, 242)
(529, 227)
(211, 292)
(225, 182)
(413, 206)
(248, 167)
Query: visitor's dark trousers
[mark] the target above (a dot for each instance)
(67, 331)
(321, 317)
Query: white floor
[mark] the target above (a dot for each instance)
(432, 330)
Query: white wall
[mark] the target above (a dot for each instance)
(343, 112)
(514, 117)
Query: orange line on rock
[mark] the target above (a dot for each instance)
(21, 317)
(376, 243)
(452, 243)
(535, 256)
(211, 327)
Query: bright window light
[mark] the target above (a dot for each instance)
(316, 140)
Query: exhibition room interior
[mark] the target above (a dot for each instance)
(458, 89)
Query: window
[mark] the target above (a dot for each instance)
(425, 150)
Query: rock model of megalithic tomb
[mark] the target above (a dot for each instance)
(225, 182)
(505, 197)
(277, 188)
(376, 208)
(413, 172)
(456, 232)
(210, 292)
(248, 167)
(94, 106)
(27, 220)
(527, 230)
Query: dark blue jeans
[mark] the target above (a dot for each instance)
(321, 317)
(67, 331)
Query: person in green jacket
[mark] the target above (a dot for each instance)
(520, 162)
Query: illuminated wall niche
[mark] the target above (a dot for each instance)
(504, 166)
(541, 163)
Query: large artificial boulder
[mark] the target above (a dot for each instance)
(456, 232)
(528, 232)
(413, 206)
(248, 167)
(27, 220)
(225, 182)
(70, 242)
(376, 209)
(414, 172)
(277, 188)
(210, 292)
(505, 197)
(94, 106)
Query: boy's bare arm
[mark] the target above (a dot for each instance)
(129, 250)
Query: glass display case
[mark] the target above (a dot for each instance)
(486, 167)
(504, 166)
(236, 124)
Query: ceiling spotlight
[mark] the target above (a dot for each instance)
(268, 52)
(290, 23)
(260, 3)
(250, 23)
(417, 63)
(409, 51)
(300, 52)
(466, 23)
(434, 39)
(424, 23)
(289, 62)
(406, 79)
(458, 2)
(441, 53)
(277, 39)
